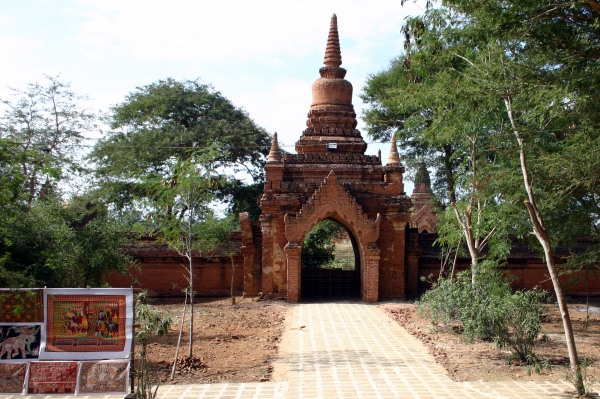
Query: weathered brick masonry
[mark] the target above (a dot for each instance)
(163, 272)
(329, 177)
(523, 263)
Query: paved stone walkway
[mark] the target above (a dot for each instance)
(353, 350)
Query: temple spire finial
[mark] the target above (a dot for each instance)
(394, 157)
(274, 153)
(422, 179)
(333, 55)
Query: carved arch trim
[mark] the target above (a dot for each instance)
(331, 200)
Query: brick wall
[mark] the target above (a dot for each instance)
(523, 263)
(162, 274)
(165, 279)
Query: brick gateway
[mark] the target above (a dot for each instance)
(330, 177)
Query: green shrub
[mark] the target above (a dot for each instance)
(487, 309)
(152, 323)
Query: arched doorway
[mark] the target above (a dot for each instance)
(330, 263)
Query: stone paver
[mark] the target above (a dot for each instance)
(353, 350)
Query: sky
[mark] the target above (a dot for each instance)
(263, 55)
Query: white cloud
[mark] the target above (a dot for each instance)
(282, 108)
(218, 31)
(18, 61)
(261, 54)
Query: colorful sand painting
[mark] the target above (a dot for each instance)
(52, 377)
(86, 323)
(12, 377)
(20, 342)
(103, 377)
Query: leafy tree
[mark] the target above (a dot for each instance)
(319, 246)
(182, 215)
(152, 323)
(442, 122)
(533, 67)
(166, 121)
(47, 124)
(548, 87)
(11, 177)
(11, 197)
(64, 244)
(242, 197)
(45, 240)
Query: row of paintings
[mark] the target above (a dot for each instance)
(65, 377)
(75, 324)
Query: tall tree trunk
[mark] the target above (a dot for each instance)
(475, 247)
(449, 172)
(191, 259)
(543, 237)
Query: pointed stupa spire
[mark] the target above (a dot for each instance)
(394, 157)
(333, 55)
(331, 118)
(274, 153)
(422, 179)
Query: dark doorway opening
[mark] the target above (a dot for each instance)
(330, 263)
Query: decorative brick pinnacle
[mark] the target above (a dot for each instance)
(394, 157)
(422, 179)
(274, 153)
(331, 112)
(333, 55)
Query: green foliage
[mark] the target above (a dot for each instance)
(181, 207)
(64, 244)
(11, 176)
(242, 198)
(584, 375)
(166, 122)
(587, 260)
(152, 323)
(425, 101)
(487, 309)
(521, 77)
(44, 124)
(319, 247)
(462, 60)
(45, 240)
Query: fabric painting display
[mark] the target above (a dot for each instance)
(19, 342)
(52, 378)
(12, 377)
(84, 324)
(21, 305)
(104, 377)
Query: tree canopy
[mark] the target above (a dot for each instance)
(164, 121)
(160, 157)
(499, 96)
(44, 125)
(63, 244)
(49, 238)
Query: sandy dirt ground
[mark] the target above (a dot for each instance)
(240, 343)
(483, 361)
(231, 343)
